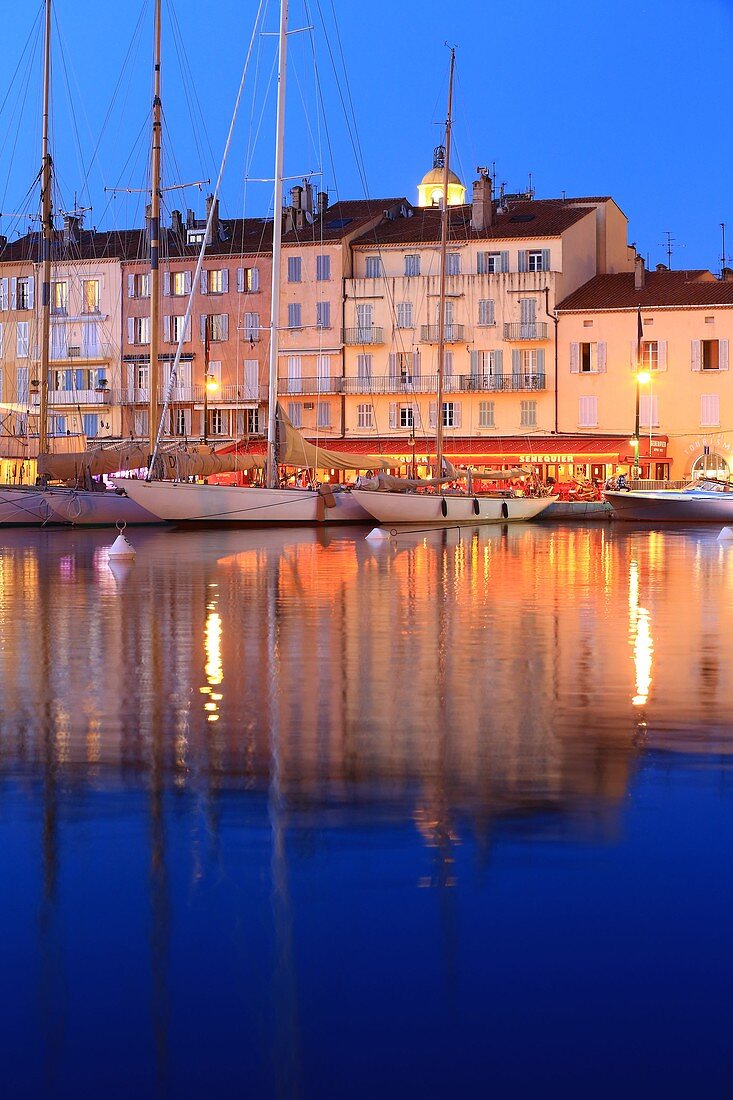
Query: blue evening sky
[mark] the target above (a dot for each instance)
(609, 98)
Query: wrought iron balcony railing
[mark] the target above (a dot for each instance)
(363, 335)
(534, 330)
(453, 334)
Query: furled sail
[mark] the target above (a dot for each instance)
(176, 462)
(294, 450)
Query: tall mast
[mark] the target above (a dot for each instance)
(443, 251)
(277, 229)
(47, 237)
(154, 237)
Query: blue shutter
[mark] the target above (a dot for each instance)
(474, 364)
(541, 363)
(545, 259)
(498, 356)
(516, 363)
(522, 260)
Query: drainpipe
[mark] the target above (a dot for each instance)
(553, 317)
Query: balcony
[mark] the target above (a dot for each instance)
(407, 384)
(534, 330)
(58, 399)
(453, 334)
(289, 386)
(368, 335)
(503, 383)
(194, 395)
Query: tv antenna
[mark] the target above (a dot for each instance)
(724, 259)
(668, 244)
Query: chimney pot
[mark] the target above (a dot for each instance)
(482, 211)
(639, 272)
(322, 202)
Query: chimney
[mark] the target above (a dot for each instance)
(307, 197)
(177, 222)
(726, 273)
(662, 267)
(639, 272)
(481, 208)
(4, 242)
(322, 202)
(72, 225)
(214, 230)
(296, 197)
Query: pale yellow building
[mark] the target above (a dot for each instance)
(685, 401)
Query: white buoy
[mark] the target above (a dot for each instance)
(376, 534)
(726, 534)
(121, 549)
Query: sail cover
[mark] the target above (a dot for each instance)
(294, 450)
(175, 462)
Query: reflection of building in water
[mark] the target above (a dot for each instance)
(495, 671)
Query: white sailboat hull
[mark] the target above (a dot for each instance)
(25, 506)
(672, 506)
(83, 508)
(235, 504)
(427, 508)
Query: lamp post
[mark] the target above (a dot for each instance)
(642, 379)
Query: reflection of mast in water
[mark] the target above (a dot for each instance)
(286, 1045)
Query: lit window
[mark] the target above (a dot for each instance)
(90, 295)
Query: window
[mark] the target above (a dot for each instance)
(374, 267)
(24, 293)
(323, 314)
(588, 412)
(412, 265)
(404, 315)
(587, 357)
(90, 295)
(323, 414)
(364, 416)
(252, 420)
(142, 376)
(323, 373)
(91, 425)
(216, 281)
(179, 422)
(453, 263)
(251, 380)
(649, 355)
(294, 269)
(486, 414)
(22, 337)
(294, 315)
(248, 279)
(219, 326)
(486, 311)
(140, 330)
(177, 329)
(709, 410)
(295, 372)
(529, 362)
(450, 414)
(528, 414)
(90, 339)
(407, 419)
(295, 413)
(490, 263)
(364, 369)
(179, 283)
(403, 365)
(710, 355)
(534, 259)
(138, 286)
(323, 268)
(59, 298)
(251, 327)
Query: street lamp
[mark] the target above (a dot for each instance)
(643, 378)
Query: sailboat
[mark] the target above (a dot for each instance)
(203, 503)
(392, 500)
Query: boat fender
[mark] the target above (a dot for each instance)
(504, 510)
(444, 506)
(476, 508)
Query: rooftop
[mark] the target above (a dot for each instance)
(661, 288)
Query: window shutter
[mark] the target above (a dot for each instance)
(516, 362)
(130, 330)
(504, 261)
(433, 414)
(3, 293)
(522, 260)
(130, 286)
(541, 362)
(574, 357)
(186, 282)
(447, 365)
(498, 360)
(13, 293)
(695, 355)
(203, 282)
(167, 329)
(392, 415)
(202, 323)
(167, 283)
(474, 364)
(255, 278)
(416, 364)
(392, 366)
(31, 285)
(225, 326)
(601, 357)
(456, 414)
(661, 355)
(722, 355)
(545, 259)
(187, 334)
(225, 280)
(240, 279)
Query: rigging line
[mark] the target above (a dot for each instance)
(189, 90)
(197, 273)
(62, 53)
(26, 82)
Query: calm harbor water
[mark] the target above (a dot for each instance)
(298, 814)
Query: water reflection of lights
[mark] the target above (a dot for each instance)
(213, 668)
(641, 639)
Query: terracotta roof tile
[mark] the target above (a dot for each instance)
(661, 288)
